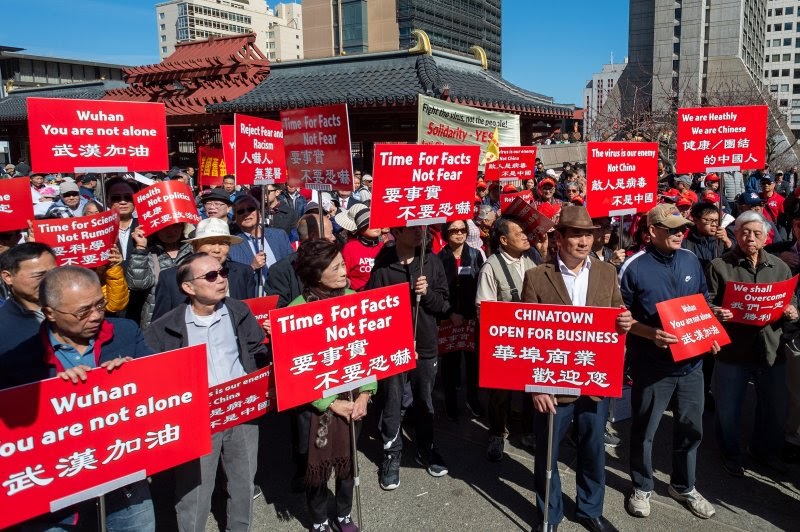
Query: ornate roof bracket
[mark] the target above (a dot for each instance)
(423, 45)
(480, 55)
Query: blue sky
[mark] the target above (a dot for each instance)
(551, 47)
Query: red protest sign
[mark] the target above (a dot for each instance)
(260, 307)
(211, 166)
(335, 345)
(622, 178)
(317, 145)
(456, 338)
(557, 349)
(532, 220)
(758, 303)
(258, 151)
(422, 185)
(163, 204)
(691, 320)
(84, 241)
(240, 400)
(96, 135)
(507, 199)
(16, 203)
(721, 139)
(64, 443)
(226, 133)
(515, 163)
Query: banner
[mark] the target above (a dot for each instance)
(758, 303)
(63, 443)
(317, 145)
(622, 178)
(227, 134)
(260, 307)
(515, 163)
(440, 122)
(241, 400)
(557, 349)
(721, 139)
(691, 320)
(84, 241)
(16, 204)
(165, 203)
(506, 200)
(422, 185)
(339, 344)
(211, 167)
(532, 221)
(456, 338)
(96, 135)
(258, 151)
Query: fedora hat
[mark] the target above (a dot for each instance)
(576, 217)
(354, 218)
(214, 228)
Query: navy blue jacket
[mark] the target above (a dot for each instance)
(650, 277)
(277, 240)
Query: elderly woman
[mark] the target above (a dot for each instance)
(325, 423)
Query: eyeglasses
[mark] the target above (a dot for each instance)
(70, 195)
(245, 210)
(217, 204)
(458, 231)
(671, 230)
(272, 190)
(117, 198)
(212, 277)
(83, 313)
(575, 190)
(707, 221)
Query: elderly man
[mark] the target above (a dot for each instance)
(217, 204)
(234, 345)
(574, 278)
(500, 279)
(755, 353)
(71, 199)
(212, 236)
(660, 272)
(75, 338)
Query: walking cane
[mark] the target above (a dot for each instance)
(421, 265)
(354, 459)
(101, 513)
(549, 470)
(263, 238)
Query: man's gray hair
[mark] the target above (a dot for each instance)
(485, 211)
(57, 280)
(749, 217)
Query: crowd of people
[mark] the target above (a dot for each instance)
(183, 286)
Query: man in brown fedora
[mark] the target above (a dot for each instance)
(573, 277)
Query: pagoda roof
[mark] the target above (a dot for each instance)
(387, 80)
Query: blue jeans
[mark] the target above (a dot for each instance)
(590, 474)
(730, 386)
(650, 396)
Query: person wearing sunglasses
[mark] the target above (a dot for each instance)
(663, 271)
(71, 200)
(119, 197)
(75, 338)
(261, 246)
(235, 347)
(213, 237)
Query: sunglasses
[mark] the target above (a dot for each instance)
(70, 195)
(458, 231)
(117, 198)
(212, 277)
(245, 210)
(671, 230)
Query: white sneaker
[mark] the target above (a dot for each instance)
(639, 503)
(696, 503)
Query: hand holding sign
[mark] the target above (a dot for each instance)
(690, 328)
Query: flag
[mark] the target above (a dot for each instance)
(492, 149)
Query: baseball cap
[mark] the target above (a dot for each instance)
(509, 189)
(767, 177)
(685, 179)
(547, 181)
(217, 194)
(550, 173)
(481, 185)
(712, 177)
(666, 215)
(710, 196)
(683, 202)
(66, 187)
(750, 199)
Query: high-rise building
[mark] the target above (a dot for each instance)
(782, 58)
(384, 25)
(596, 92)
(279, 31)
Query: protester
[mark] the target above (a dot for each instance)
(706, 238)
(755, 353)
(461, 264)
(37, 184)
(279, 214)
(547, 189)
(649, 277)
(601, 242)
(500, 279)
(88, 185)
(683, 184)
(119, 193)
(229, 186)
(782, 186)
(234, 348)
(750, 201)
(71, 199)
(321, 268)
(574, 278)
(363, 244)
(773, 202)
(400, 264)
(217, 204)
(75, 338)
(91, 207)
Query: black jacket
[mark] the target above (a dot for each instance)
(434, 304)
(707, 248)
(283, 282)
(462, 288)
(241, 285)
(283, 217)
(169, 332)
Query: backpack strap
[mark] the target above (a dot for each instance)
(514, 292)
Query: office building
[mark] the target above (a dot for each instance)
(782, 58)
(596, 93)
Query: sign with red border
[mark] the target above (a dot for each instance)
(241, 400)
(16, 203)
(85, 241)
(259, 155)
(515, 163)
(165, 203)
(211, 167)
(226, 133)
(758, 303)
(691, 320)
(622, 178)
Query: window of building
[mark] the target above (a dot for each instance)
(769, 12)
(785, 88)
(783, 103)
(766, 73)
(163, 49)
(785, 72)
(789, 11)
(787, 25)
(787, 41)
(795, 119)
(786, 57)
(779, 12)
(776, 42)
(774, 73)
(796, 103)
(161, 15)
(773, 88)
(776, 57)
(163, 27)
(163, 38)
(796, 89)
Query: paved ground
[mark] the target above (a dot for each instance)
(478, 495)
